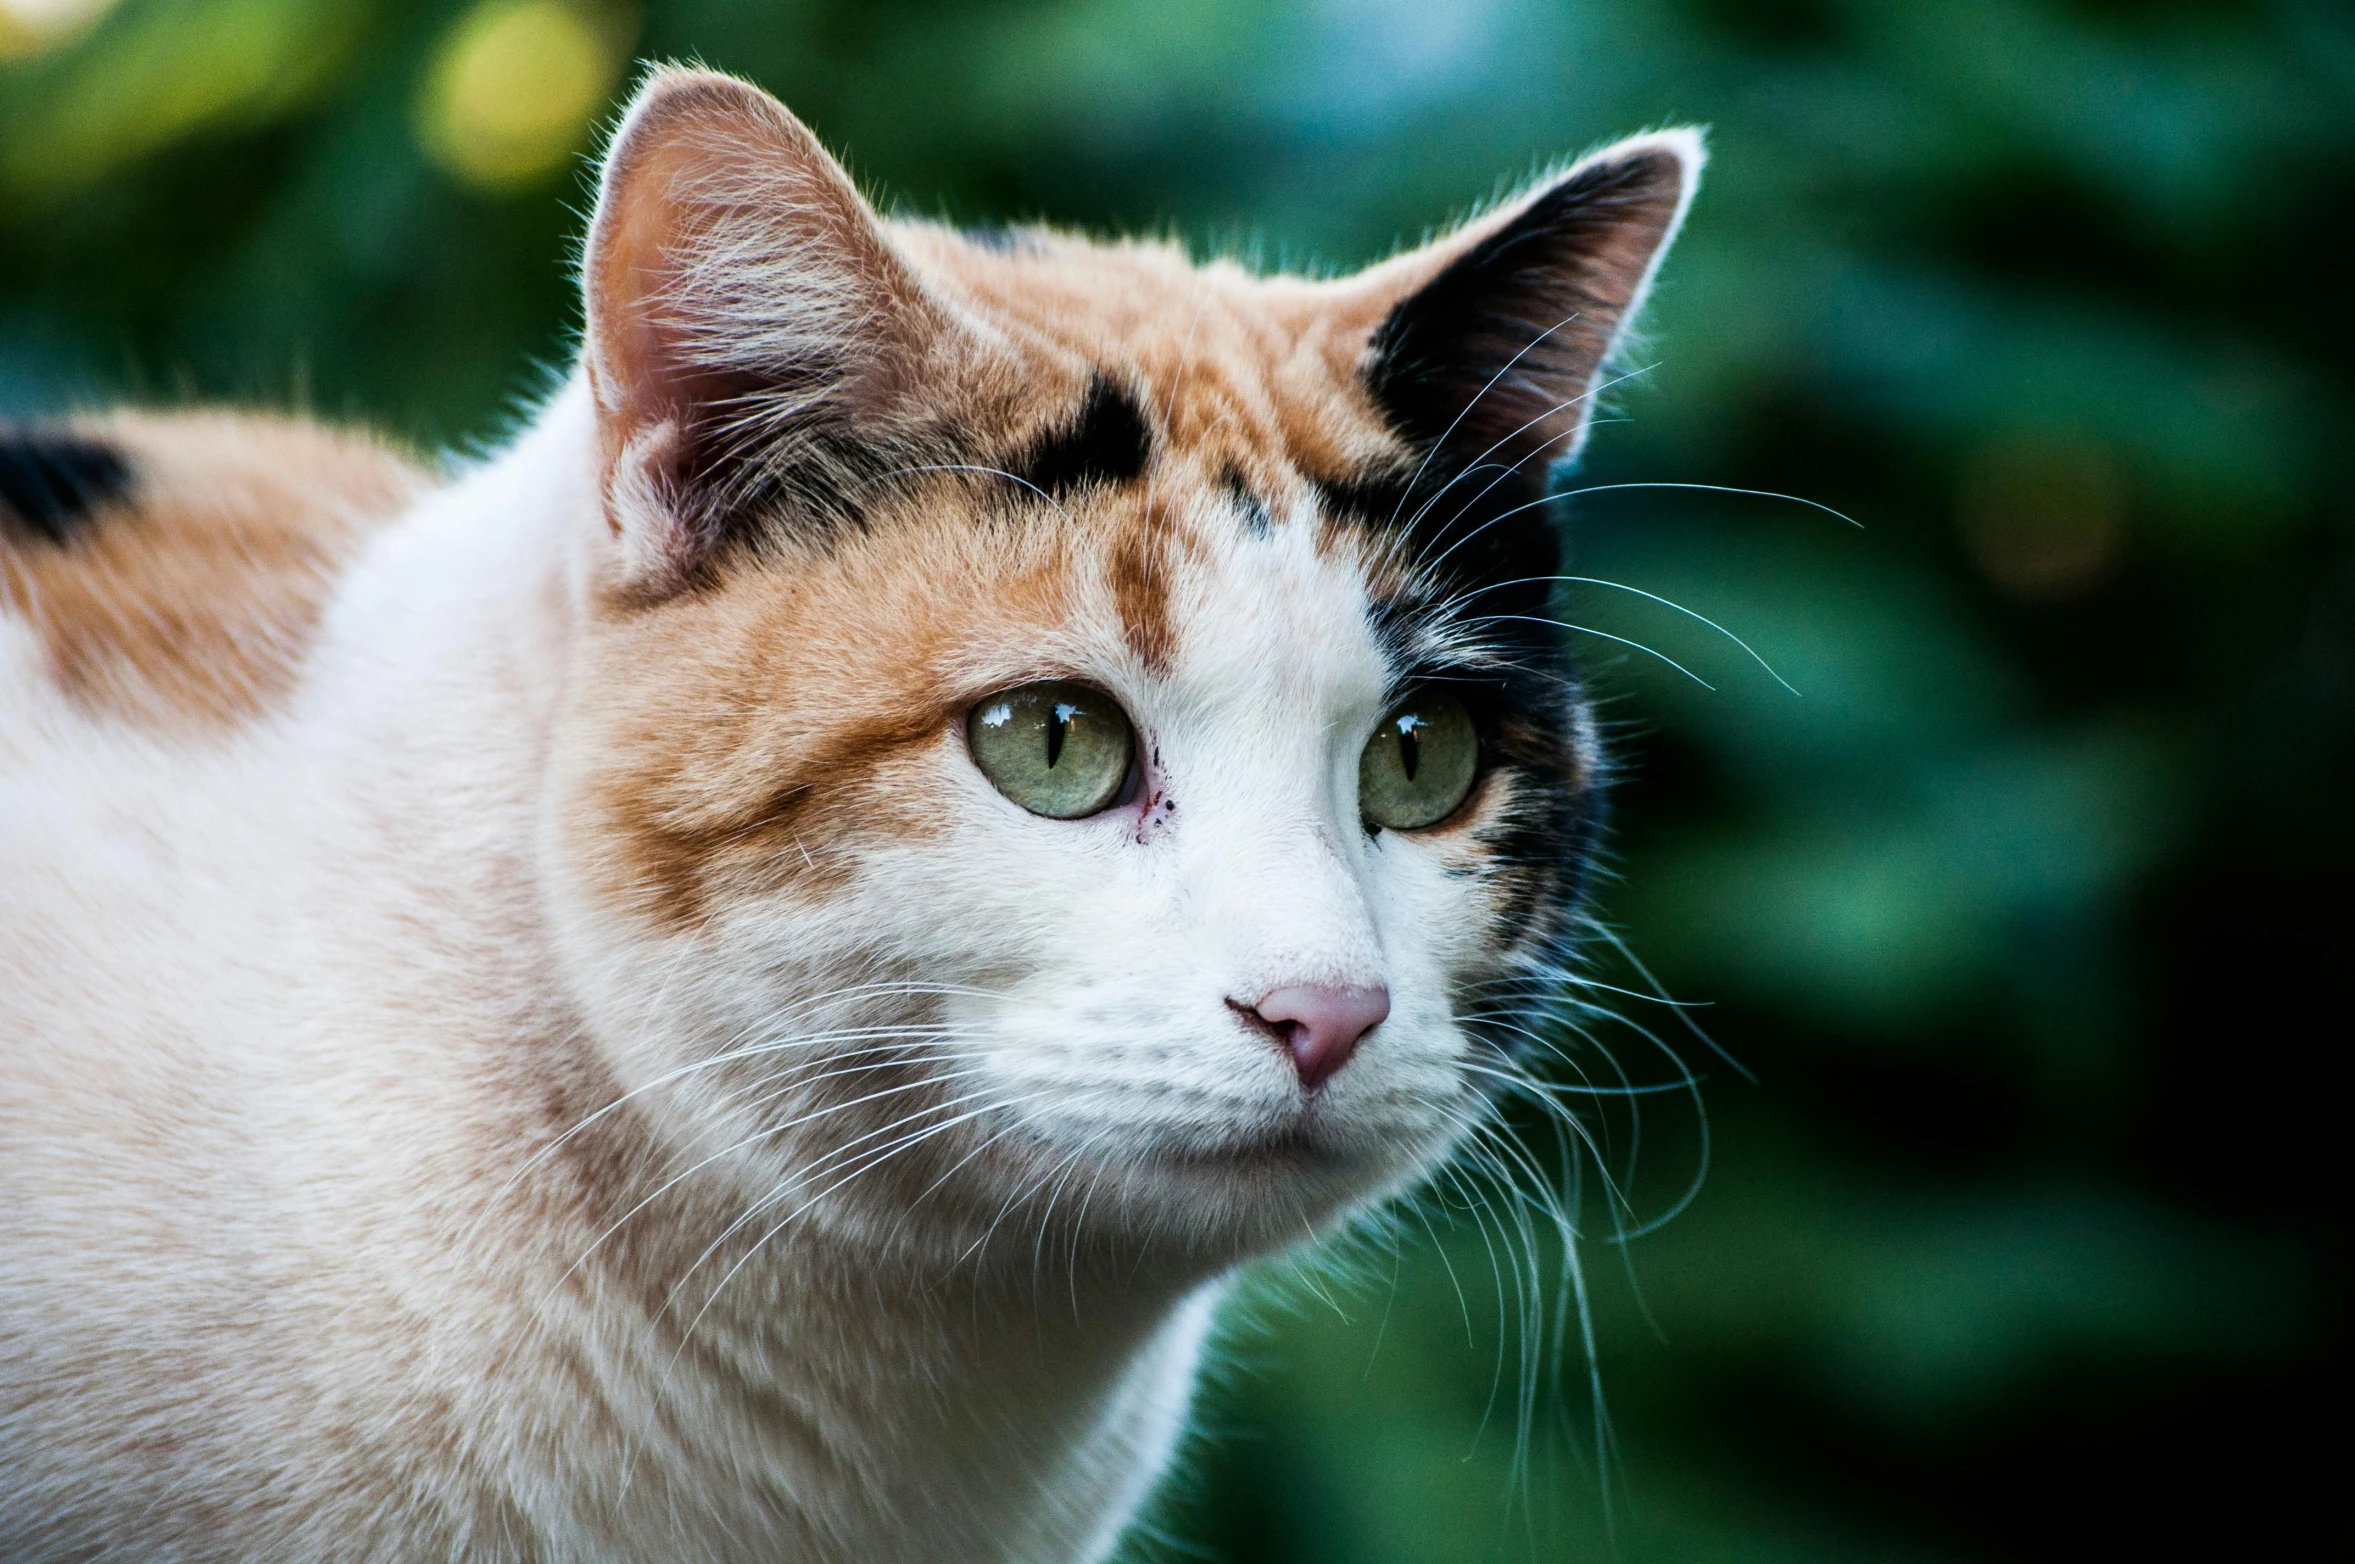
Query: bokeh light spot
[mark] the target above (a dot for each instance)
(32, 26)
(512, 92)
(2042, 517)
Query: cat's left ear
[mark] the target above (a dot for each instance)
(1483, 348)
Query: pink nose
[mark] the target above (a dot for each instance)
(1319, 1027)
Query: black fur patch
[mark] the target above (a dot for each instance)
(1256, 519)
(51, 482)
(1105, 442)
(1368, 500)
(1485, 374)
(1471, 512)
(1538, 294)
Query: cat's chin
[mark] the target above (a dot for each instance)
(1258, 1191)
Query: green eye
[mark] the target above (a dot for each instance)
(1059, 750)
(1419, 764)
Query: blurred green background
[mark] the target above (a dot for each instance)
(2028, 913)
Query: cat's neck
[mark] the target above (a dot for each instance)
(934, 1415)
(736, 1368)
(452, 635)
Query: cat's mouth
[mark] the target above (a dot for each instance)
(1288, 1145)
(1301, 1144)
(1262, 1187)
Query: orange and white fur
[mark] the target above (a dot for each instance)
(524, 1033)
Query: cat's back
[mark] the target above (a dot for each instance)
(165, 583)
(162, 583)
(162, 580)
(167, 572)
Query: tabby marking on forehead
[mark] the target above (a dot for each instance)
(1106, 442)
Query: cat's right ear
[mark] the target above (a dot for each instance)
(750, 332)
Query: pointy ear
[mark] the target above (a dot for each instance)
(752, 340)
(1483, 347)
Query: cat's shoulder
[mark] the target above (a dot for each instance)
(171, 567)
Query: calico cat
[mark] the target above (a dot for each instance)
(730, 982)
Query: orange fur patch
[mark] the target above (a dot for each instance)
(192, 601)
(1260, 374)
(703, 785)
(876, 639)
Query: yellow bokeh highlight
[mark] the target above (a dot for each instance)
(511, 94)
(141, 77)
(30, 27)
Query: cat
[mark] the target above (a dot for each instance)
(733, 980)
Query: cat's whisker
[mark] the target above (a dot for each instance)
(733, 1054)
(1016, 1197)
(930, 1080)
(908, 1129)
(783, 1191)
(1532, 1188)
(1503, 1158)
(1621, 586)
(1577, 980)
(1619, 946)
(1069, 1166)
(1715, 488)
(1023, 1194)
(767, 1132)
(875, 1160)
(1564, 624)
(753, 1096)
(1011, 1128)
(1448, 434)
(1618, 1198)
(726, 1099)
(1528, 1195)
(980, 470)
(1477, 1205)
(1687, 1084)
(1429, 569)
(1481, 462)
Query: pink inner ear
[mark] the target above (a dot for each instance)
(740, 292)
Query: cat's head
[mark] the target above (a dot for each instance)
(1064, 728)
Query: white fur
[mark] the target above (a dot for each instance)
(376, 1181)
(284, 1271)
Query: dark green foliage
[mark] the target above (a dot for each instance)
(2028, 911)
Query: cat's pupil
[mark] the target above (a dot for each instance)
(1410, 748)
(1056, 749)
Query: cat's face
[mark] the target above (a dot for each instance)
(1067, 730)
